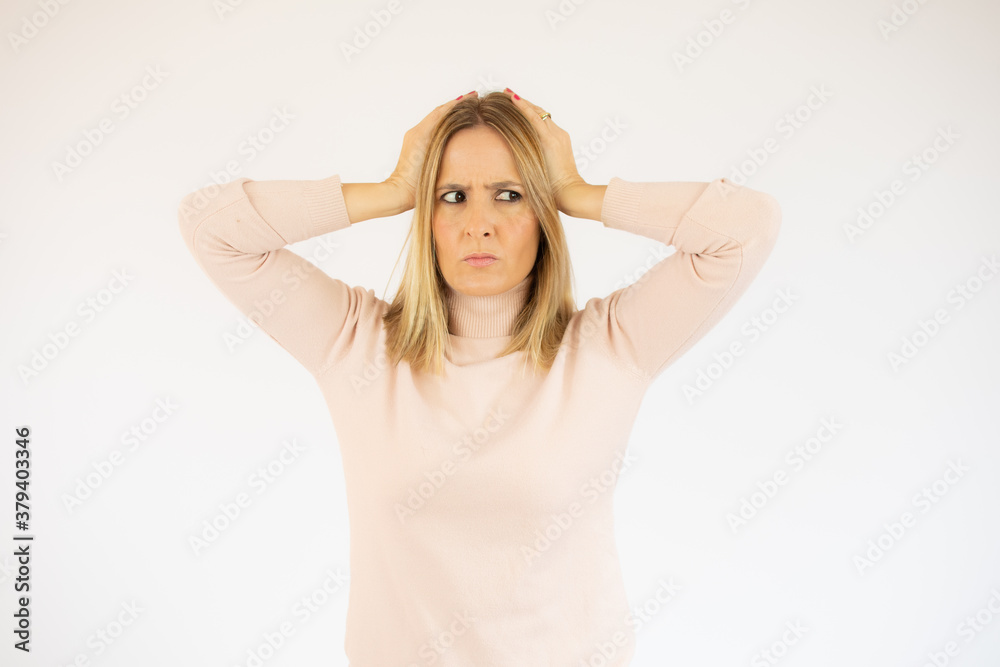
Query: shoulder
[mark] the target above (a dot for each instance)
(587, 340)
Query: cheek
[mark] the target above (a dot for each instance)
(530, 233)
(440, 238)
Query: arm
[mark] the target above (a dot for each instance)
(238, 237)
(722, 234)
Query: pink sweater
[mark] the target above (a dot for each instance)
(480, 503)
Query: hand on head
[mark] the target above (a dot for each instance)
(556, 148)
(411, 157)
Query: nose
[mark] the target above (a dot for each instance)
(479, 217)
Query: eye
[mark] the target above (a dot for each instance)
(514, 196)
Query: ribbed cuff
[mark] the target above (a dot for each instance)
(325, 203)
(621, 203)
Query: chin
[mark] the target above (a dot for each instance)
(480, 285)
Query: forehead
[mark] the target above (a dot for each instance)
(477, 152)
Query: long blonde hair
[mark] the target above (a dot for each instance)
(416, 322)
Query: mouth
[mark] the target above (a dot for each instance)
(480, 259)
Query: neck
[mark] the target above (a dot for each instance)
(486, 316)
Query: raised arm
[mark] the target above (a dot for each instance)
(238, 232)
(722, 235)
(238, 236)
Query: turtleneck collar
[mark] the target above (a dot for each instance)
(486, 316)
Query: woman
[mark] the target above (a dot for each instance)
(482, 419)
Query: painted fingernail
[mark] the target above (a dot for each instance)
(516, 96)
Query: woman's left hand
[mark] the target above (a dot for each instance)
(558, 150)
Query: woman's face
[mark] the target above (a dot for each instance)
(480, 208)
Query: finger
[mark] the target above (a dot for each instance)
(444, 107)
(520, 102)
(532, 111)
(460, 97)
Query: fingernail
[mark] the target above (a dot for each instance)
(516, 96)
(460, 97)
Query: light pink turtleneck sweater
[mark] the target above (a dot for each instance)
(480, 503)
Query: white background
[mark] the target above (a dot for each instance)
(64, 234)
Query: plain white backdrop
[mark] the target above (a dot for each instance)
(884, 325)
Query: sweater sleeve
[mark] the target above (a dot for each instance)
(722, 235)
(237, 233)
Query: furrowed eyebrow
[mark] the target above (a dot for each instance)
(488, 186)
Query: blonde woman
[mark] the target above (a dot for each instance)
(482, 418)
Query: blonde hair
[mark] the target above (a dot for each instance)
(416, 322)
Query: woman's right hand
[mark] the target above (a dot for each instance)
(411, 158)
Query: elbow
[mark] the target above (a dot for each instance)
(200, 206)
(758, 212)
(187, 219)
(770, 216)
(761, 215)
